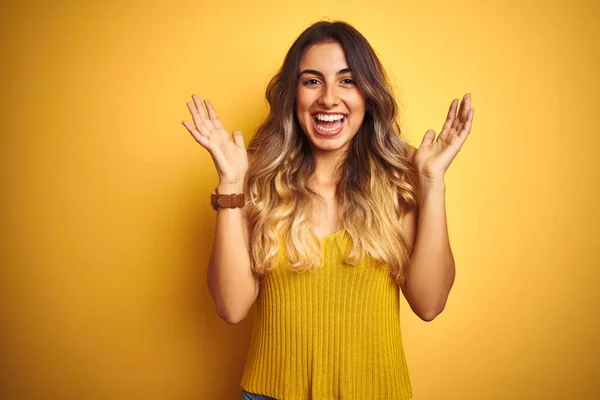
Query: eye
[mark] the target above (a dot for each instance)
(311, 81)
(349, 81)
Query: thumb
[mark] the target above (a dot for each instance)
(428, 138)
(238, 139)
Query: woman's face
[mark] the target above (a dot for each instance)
(329, 105)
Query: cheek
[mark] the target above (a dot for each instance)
(302, 114)
(302, 101)
(301, 108)
(357, 102)
(358, 107)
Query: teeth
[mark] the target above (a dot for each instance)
(329, 117)
(331, 129)
(328, 129)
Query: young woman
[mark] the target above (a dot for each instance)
(338, 211)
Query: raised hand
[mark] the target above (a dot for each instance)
(433, 158)
(228, 154)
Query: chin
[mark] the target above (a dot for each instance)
(329, 146)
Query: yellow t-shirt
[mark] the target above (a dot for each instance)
(328, 335)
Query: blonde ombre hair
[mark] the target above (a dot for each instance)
(378, 183)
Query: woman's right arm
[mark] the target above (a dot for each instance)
(230, 279)
(231, 282)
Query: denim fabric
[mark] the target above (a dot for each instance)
(254, 396)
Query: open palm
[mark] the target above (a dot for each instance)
(433, 157)
(229, 155)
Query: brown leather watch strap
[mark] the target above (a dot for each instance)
(235, 200)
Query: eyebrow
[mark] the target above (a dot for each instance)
(318, 73)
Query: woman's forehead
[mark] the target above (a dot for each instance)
(324, 57)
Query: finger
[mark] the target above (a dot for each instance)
(467, 106)
(212, 114)
(200, 138)
(204, 120)
(456, 120)
(201, 120)
(197, 118)
(428, 138)
(199, 106)
(465, 110)
(450, 118)
(464, 133)
(462, 112)
(238, 139)
(464, 115)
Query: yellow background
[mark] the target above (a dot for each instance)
(105, 217)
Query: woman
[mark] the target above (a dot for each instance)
(338, 212)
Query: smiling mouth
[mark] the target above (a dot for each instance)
(328, 124)
(328, 128)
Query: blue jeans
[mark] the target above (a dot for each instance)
(254, 396)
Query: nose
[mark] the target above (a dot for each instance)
(329, 96)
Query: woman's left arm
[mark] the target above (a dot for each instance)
(431, 272)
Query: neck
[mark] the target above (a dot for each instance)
(327, 166)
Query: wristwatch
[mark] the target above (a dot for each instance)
(235, 200)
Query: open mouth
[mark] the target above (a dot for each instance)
(328, 124)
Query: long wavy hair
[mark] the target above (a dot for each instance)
(378, 184)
